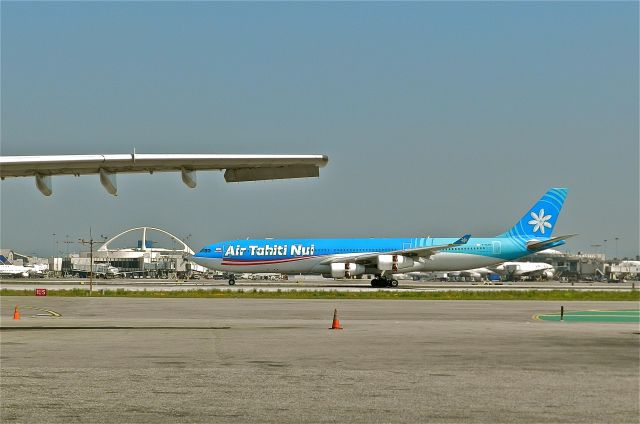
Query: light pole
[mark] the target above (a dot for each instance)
(90, 243)
(605, 250)
(53, 242)
(616, 239)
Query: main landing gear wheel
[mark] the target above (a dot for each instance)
(232, 281)
(384, 282)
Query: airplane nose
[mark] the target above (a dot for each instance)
(195, 259)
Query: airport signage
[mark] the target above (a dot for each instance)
(41, 292)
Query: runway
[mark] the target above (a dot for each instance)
(249, 360)
(306, 284)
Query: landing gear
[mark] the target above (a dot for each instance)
(381, 281)
(232, 280)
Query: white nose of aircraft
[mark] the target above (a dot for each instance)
(196, 259)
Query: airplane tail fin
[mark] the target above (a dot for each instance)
(540, 219)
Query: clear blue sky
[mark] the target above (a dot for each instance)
(439, 118)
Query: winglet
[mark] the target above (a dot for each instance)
(462, 240)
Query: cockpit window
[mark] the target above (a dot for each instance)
(205, 250)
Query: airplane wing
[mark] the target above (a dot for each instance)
(238, 168)
(541, 245)
(424, 252)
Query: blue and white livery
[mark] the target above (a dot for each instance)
(384, 257)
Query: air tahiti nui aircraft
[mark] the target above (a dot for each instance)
(384, 257)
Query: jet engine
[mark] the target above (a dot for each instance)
(393, 262)
(548, 273)
(341, 269)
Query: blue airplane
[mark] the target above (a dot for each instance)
(384, 257)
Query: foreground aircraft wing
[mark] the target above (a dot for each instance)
(541, 245)
(424, 252)
(238, 168)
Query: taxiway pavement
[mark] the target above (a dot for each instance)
(307, 284)
(261, 360)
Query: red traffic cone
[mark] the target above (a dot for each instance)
(16, 313)
(335, 325)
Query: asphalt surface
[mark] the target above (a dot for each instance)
(255, 360)
(306, 284)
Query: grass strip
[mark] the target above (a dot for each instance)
(568, 295)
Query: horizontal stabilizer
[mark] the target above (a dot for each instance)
(545, 244)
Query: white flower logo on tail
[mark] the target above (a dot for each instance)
(539, 221)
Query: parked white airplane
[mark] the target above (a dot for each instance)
(238, 168)
(475, 273)
(9, 270)
(517, 270)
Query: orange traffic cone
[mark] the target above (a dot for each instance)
(16, 313)
(335, 325)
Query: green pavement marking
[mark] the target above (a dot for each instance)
(623, 315)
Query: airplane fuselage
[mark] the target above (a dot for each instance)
(15, 271)
(387, 256)
(309, 256)
(524, 268)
